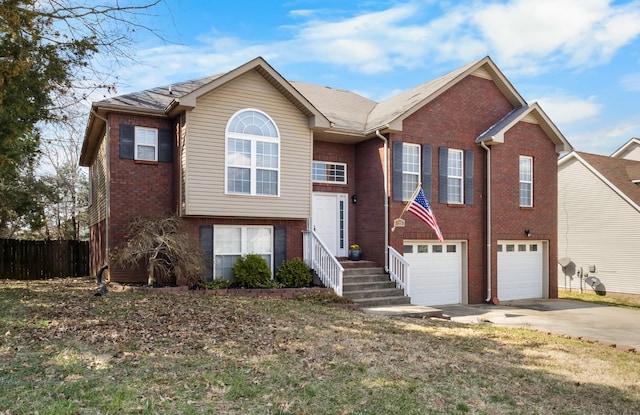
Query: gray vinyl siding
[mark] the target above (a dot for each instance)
(596, 227)
(204, 175)
(98, 176)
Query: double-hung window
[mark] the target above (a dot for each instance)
(455, 177)
(526, 181)
(410, 169)
(252, 154)
(146, 144)
(232, 242)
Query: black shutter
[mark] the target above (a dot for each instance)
(396, 167)
(127, 141)
(165, 145)
(206, 242)
(279, 246)
(443, 167)
(468, 177)
(426, 171)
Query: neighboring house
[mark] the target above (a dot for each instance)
(256, 163)
(599, 220)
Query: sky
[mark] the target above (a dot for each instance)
(579, 59)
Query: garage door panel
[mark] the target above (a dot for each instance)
(436, 271)
(519, 270)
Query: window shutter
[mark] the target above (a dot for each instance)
(426, 171)
(443, 164)
(127, 141)
(279, 246)
(396, 166)
(468, 177)
(165, 145)
(206, 242)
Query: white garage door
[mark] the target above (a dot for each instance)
(519, 270)
(435, 272)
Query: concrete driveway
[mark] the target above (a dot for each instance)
(604, 324)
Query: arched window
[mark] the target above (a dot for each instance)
(253, 154)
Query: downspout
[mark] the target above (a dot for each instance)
(385, 174)
(488, 198)
(107, 183)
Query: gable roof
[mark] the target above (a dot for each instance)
(394, 110)
(495, 133)
(333, 113)
(621, 175)
(626, 147)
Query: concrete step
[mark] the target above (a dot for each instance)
(363, 279)
(367, 285)
(353, 272)
(362, 294)
(382, 301)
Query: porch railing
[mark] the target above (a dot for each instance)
(319, 258)
(399, 271)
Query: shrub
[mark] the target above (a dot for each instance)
(294, 273)
(251, 271)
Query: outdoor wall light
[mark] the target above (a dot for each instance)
(528, 233)
(354, 199)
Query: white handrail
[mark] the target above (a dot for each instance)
(319, 258)
(399, 271)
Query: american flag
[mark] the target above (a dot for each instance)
(419, 206)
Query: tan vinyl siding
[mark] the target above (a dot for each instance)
(633, 154)
(98, 177)
(596, 227)
(205, 153)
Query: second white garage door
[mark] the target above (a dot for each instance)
(435, 272)
(520, 272)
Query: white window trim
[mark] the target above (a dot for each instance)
(243, 244)
(333, 163)
(254, 139)
(520, 181)
(154, 145)
(459, 178)
(411, 173)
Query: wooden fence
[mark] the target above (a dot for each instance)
(35, 260)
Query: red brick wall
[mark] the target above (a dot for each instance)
(454, 120)
(340, 153)
(136, 188)
(509, 220)
(370, 207)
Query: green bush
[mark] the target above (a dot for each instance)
(294, 273)
(251, 271)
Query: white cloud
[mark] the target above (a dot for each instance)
(631, 82)
(604, 140)
(548, 32)
(565, 109)
(524, 37)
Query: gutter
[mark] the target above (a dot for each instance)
(386, 200)
(489, 265)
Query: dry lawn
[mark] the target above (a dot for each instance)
(64, 351)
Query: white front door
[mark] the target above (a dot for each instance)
(329, 221)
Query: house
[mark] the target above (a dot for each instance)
(598, 213)
(259, 164)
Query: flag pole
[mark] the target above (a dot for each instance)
(415, 192)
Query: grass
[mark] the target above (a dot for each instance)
(588, 295)
(64, 351)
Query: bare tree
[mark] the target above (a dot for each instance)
(170, 253)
